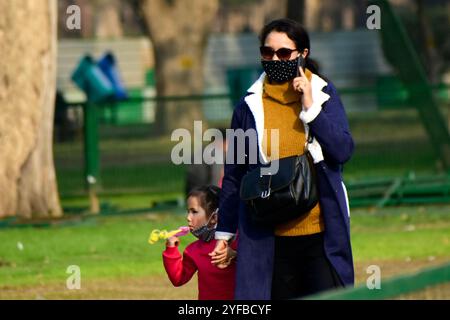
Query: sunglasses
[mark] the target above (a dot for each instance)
(282, 53)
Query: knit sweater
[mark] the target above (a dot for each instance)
(213, 283)
(282, 106)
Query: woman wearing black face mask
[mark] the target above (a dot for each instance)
(311, 253)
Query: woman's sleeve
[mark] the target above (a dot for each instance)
(179, 269)
(231, 183)
(234, 243)
(328, 123)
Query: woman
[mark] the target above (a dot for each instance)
(311, 253)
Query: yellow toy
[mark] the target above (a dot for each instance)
(157, 234)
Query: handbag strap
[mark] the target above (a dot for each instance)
(309, 137)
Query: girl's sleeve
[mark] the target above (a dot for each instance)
(179, 269)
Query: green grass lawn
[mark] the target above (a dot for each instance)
(401, 233)
(116, 247)
(107, 247)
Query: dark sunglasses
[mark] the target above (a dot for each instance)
(282, 53)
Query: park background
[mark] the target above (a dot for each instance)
(86, 172)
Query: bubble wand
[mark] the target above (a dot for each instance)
(157, 234)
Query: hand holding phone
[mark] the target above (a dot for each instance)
(300, 64)
(302, 84)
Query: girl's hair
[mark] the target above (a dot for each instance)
(208, 197)
(296, 33)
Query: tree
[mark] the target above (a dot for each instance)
(100, 19)
(430, 55)
(28, 47)
(296, 10)
(107, 20)
(313, 9)
(333, 15)
(178, 30)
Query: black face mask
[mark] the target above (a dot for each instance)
(279, 70)
(204, 232)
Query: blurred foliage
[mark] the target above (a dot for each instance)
(237, 3)
(438, 18)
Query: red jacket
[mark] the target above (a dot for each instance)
(213, 283)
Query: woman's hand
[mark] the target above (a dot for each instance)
(231, 254)
(219, 255)
(172, 242)
(302, 84)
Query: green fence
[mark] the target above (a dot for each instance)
(131, 159)
(393, 162)
(432, 283)
(402, 148)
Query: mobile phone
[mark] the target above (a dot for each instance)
(300, 63)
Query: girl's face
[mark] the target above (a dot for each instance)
(196, 216)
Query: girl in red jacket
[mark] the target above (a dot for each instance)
(214, 282)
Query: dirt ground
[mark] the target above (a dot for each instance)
(391, 269)
(160, 288)
(147, 288)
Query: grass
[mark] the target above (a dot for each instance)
(401, 233)
(103, 248)
(403, 244)
(114, 248)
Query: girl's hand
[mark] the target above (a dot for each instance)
(172, 242)
(302, 84)
(219, 255)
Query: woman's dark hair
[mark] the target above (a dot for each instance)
(296, 33)
(208, 197)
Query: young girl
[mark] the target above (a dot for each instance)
(214, 282)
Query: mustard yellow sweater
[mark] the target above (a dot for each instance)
(282, 106)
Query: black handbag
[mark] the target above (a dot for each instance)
(285, 195)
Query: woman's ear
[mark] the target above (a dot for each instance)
(305, 53)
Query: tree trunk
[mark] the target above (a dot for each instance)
(313, 8)
(296, 10)
(107, 19)
(27, 92)
(330, 15)
(432, 60)
(348, 15)
(178, 30)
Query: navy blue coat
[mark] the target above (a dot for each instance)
(256, 243)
